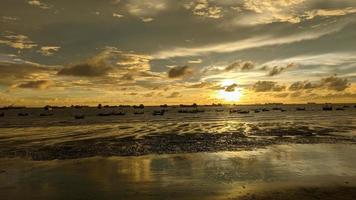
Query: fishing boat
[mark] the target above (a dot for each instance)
(79, 116)
(158, 112)
(327, 108)
(300, 109)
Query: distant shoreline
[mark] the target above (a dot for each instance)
(169, 105)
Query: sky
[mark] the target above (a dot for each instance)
(63, 52)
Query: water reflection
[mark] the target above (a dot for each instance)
(184, 176)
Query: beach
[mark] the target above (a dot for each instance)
(318, 171)
(293, 154)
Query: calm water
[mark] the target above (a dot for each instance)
(27, 134)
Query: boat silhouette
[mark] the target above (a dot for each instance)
(139, 113)
(79, 116)
(158, 112)
(118, 113)
(300, 109)
(234, 111)
(327, 108)
(194, 111)
(110, 114)
(141, 106)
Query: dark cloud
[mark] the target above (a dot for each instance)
(38, 84)
(278, 70)
(302, 85)
(107, 61)
(86, 70)
(264, 68)
(281, 95)
(14, 72)
(330, 83)
(267, 86)
(174, 95)
(150, 94)
(180, 71)
(335, 83)
(240, 65)
(338, 95)
(296, 94)
(205, 85)
(231, 88)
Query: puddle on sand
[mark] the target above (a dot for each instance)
(223, 175)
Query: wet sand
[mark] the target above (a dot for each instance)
(61, 136)
(308, 171)
(305, 193)
(169, 143)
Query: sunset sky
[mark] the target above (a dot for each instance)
(64, 52)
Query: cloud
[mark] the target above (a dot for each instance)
(240, 65)
(17, 41)
(328, 13)
(328, 59)
(329, 83)
(150, 94)
(38, 84)
(14, 69)
(110, 60)
(117, 15)
(231, 88)
(146, 9)
(180, 71)
(333, 96)
(278, 70)
(335, 83)
(147, 19)
(39, 4)
(204, 9)
(49, 50)
(86, 70)
(174, 95)
(267, 86)
(198, 61)
(207, 85)
(253, 42)
(8, 19)
(256, 12)
(260, 6)
(302, 85)
(269, 11)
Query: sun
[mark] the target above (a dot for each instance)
(229, 96)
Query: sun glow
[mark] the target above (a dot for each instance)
(233, 95)
(230, 96)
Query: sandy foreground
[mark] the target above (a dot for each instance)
(308, 171)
